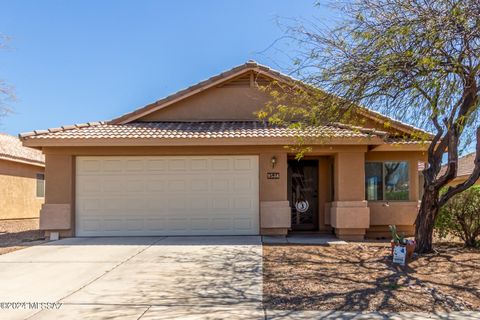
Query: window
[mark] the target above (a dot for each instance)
(387, 180)
(40, 185)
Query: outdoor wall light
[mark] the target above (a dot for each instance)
(273, 161)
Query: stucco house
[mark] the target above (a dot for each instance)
(199, 162)
(22, 180)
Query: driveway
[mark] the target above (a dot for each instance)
(135, 278)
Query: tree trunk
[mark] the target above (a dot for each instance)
(425, 222)
(470, 243)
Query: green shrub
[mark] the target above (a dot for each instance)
(460, 217)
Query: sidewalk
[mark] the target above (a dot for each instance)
(304, 315)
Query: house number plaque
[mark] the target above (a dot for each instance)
(273, 175)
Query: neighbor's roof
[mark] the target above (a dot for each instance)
(466, 165)
(11, 149)
(197, 130)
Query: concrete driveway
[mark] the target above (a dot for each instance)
(134, 278)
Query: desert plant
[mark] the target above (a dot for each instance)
(460, 217)
(397, 239)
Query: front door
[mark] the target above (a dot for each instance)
(303, 193)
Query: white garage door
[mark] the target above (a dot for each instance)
(204, 195)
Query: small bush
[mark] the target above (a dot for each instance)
(460, 217)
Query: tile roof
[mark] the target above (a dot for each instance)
(196, 130)
(252, 65)
(11, 148)
(406, 141)
(465, 165)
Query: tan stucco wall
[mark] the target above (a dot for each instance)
(349, 177)
(18, 190)
(400, 213)
(348, 210)
(349, 213)
(59, 193)
(226, 103)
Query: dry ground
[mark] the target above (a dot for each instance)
(19, 234)
(360, 277)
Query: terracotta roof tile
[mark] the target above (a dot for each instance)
(11, 148)
(198, 130)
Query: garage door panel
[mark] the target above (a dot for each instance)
(155, 165)
(176, 185)
(199, 164)
(199, 195)
(200, 184)
(112, 165)
(177, 164)
(155, 184)
(134, 165)
(135, 185)
(244, 164)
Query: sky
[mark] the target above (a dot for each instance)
(78, 61)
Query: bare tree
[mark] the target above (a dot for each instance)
(414, 60)
(6, 91)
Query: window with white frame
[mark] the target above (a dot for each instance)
(387, 180)
(40, 185)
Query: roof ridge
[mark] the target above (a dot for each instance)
(189, 121)
(383, 134)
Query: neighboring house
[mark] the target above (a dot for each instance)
(22, 180)
(464, 170)
(200, 163)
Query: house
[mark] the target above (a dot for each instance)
(199, 162)
(22, 180)
(465, 168)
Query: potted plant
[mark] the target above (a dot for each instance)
(400, 240)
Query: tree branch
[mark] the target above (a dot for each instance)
(451, 191)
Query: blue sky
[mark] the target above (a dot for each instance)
(79, 61)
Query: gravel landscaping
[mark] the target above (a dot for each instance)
(361, 277)
(19, 234)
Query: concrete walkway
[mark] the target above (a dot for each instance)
(135, 277)
(150, 278)
(306, 239)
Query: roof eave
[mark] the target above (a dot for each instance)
(116, 142)
(402, 147)
(23, 161)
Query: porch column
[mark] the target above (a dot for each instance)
(274, 206)
(57, 213)
(349, 214)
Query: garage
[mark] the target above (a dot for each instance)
(167, 195)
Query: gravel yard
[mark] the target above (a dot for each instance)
(19, 234)
(361, 277)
